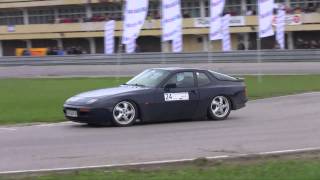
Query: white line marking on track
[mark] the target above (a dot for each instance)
(8, 129)
(53, 124)
(284, 96)
(161, 162)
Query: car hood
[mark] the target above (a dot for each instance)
(109, 91)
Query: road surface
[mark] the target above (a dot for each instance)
(275, 124)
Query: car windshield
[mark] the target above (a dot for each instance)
(149, 78)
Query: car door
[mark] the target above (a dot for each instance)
(178, 97)
(207, 90)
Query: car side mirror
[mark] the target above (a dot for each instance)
(170, 86)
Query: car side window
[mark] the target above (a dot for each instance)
(182, 80)
(203, 79)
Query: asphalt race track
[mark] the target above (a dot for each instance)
(275, 124)
(130, 70)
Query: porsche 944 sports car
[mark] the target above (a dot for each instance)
(160, 94)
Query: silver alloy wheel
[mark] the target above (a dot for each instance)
(220, 106)
(124, 113)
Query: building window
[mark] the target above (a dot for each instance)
(109, 11)
(251, 7)
(11, 17)
(190, 8)
(303, 3)
(309, 40)
(299, 6)
(41, 16)
(154, 10)
(72, 12)
(232, 7)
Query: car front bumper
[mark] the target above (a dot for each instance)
(100, 116)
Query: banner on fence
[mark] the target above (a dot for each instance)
(216, 9)
(171, 19)
(226, 42)
(281, 23)
(131, 46)
(134, 18)
(177, 44)
(265, 18)
(109, 37)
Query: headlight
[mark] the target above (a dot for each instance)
(73, 99)
(91, 101)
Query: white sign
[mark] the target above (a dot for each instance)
(134, 17)
(226, 42)
(234, 21)
(295, 19)
(11, 28)
(109, 37)
(290, 19)
(171, 19)
(265, 18)
(281, 23)
(183, 96)
(216, 9)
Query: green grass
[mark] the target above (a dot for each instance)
(271, 86)
(298, 169)
(40, 100)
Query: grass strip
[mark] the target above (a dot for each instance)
(284, 169)
(40, 100)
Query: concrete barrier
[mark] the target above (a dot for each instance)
(157, 58)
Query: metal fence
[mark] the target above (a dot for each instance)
(168, 58)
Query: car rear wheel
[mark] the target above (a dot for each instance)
(220, 108)
(124, 113)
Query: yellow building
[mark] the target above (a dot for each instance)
(79, 23)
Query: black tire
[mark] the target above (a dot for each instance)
(219, 108)
(124, 113)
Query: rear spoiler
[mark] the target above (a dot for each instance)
(239, 79)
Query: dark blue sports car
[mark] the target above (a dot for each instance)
(160, 94)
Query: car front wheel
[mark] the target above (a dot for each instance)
(124, 113)
(220, 108)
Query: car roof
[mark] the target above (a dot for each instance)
(180, 69)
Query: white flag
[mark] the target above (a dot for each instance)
(281, 23)
(216, 10)
(265, 18)
(226, 42)
(134, 17)
(177, 44)
(131, 46)
(171, 19)
(109, 37)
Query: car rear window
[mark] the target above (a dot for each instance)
(223, 77)
(203, 79)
